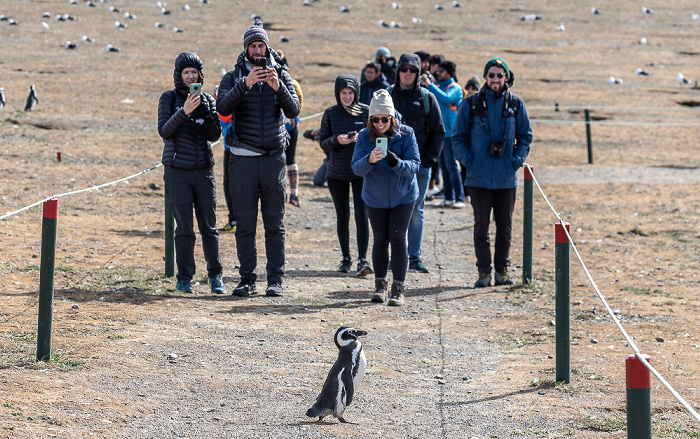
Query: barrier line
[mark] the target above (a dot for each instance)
(312, 116)
(602, 122)
(603, 107)
(90, 189)
(634, 347)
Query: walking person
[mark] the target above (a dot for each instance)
(389, 191)
(339, 127)
(256, 92)
(419, 110)
(374, 80)
(187, 123)
(491, 138)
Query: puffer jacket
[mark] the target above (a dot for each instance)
(337, 120)
(186, 137)
(471, 144)
(385, 187)
(258, 110)
(449, 95)
(368, 88)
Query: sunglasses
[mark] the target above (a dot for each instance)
(408, 69)
(384, 119)
(500, 75)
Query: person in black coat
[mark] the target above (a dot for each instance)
(187, 123)
(339, 127)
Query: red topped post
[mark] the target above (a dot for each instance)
(638, 379)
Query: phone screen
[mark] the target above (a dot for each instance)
(195, 89)
(383, 143)
(261, 62)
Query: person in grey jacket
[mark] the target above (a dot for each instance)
(187, 123)
(256, 93)
(491, 138)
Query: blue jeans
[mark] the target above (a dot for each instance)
(415, 227)
(454, 189)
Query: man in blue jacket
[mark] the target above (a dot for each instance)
(491, 138)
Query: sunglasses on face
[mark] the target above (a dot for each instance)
(383, 119)
(500, 75)
(408, 69)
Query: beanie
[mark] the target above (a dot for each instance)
(499, 62)
(383, 50)
(381, 103)
(449, 67)
(255, 32)
(474, 81)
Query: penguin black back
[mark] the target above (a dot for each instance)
(32, 100)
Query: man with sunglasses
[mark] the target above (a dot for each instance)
(421, 111)
(491, 138)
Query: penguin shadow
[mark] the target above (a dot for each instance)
(324, 423)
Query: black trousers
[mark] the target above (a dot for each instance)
(390, 227)
(187, 189)
(340, 192)
(502, 201)
(227, 190)
(263, 179)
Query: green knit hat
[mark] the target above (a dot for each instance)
(498, 62)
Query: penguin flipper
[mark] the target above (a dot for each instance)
(349, 387)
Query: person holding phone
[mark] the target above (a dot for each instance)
(188, 122)
(339, 127)
(387, 156)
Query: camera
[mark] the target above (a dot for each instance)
(496, 148)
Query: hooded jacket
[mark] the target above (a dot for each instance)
(428, 128)
(449, 94)
(337, 120)
(257, 111)
(368, 88)
(186, 137)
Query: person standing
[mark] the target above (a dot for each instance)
(339, 127)
(389, 191)
(491, 138)
(374, 80)
(188, 123)
(292, 127)
(419, 110)
(257, 91)
(425, 64)
(449, 94)
(387, 64)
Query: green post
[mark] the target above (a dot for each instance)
(169, 239)
(638, 380)
(561, 292)
(527, 227)
(46, 278)
(589, 142)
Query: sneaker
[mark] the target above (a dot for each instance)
(294, 200)
(244, 289)
(380, 286)
(345, 265)
(484, 280)
(217, 284)
(274, 289)
(363, 268)
(445, 203)
(458, 205)
(417, 267)
(228, 228)
(396, 297)
(502, 278)
(184, 286)
(432, 192)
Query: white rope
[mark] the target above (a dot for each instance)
(603, 122)
(603, 107)
(637, 353)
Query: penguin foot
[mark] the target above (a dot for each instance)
(343, 421)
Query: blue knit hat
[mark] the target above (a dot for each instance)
(255, 32)
(383, 50)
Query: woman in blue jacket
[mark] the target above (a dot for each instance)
(389, 191)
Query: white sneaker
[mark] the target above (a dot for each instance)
(445, 203)
(433, 191)
(459, 205)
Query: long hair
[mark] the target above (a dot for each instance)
(374, 132)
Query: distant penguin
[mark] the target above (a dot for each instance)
(2, 97)
(344, 377)
(71, 46)
(32, 100)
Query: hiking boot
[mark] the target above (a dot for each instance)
(345, 265)
(217, 284)
(501, 278)
(184, 286)
(363, 268)
(294, 200)
(484, 280)
(244, 289)
(417, 267)
(228, 228)
(380, 287)
(274, 289)
(396, 295)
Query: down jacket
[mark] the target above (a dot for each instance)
(337, 120)
(257, 111)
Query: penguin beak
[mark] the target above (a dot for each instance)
(359, 333)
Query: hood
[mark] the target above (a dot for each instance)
(410, 59)
(183, 61)
(349, 81)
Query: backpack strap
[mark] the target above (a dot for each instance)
(424, 95)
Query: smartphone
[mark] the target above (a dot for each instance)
(195, 89)
(351, 134)
(383, 143)
(261, 62)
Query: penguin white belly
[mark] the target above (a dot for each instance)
(340, 397)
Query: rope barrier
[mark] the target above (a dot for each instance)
(602, 122)
(631, 343)
(603, 107)
(90, 189)
(311, 117)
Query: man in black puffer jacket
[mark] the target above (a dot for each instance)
(256, 96)
(187, 123)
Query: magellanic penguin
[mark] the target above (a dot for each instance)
(32, 99)
(344, 378)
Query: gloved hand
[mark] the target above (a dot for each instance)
(202, 111)
(391, 158)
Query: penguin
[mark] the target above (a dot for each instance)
(32, 100)
(2, 97)
(344, 377)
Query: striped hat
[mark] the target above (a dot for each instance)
(255, 33)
